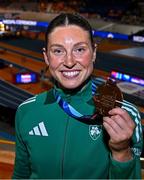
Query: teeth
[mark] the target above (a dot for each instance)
(71, 74)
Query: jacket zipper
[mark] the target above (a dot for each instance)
(64, 146)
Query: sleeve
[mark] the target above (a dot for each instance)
(130, 169)
(22, 165)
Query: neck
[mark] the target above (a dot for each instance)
(75, 90)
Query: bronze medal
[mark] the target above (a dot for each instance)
(107, 97)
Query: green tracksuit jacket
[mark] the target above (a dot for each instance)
(50, 144)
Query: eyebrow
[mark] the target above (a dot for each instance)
(59, 45)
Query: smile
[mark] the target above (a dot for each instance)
(70, 74)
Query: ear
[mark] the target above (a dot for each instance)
(45, 56)
(94, 52)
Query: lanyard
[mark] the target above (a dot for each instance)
(71, 111)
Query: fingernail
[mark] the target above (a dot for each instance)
(110, 112)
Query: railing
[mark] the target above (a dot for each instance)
(11, 96)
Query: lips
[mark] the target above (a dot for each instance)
(70, 74)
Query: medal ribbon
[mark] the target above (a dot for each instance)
(72, 111)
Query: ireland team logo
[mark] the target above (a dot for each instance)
(94, 131)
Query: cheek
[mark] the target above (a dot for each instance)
(54, 63)
(86, 60)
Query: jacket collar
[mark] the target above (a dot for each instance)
(85, 92)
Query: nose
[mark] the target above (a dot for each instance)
(69, 61)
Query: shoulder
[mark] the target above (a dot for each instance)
(131, 109)
(28, 102)
(28, 110)
(34, 102)
(98, 81)
(135, 115)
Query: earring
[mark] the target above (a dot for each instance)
(93, 60)
(43, 50)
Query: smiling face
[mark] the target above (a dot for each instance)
(70, 56)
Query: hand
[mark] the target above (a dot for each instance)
(120, 128)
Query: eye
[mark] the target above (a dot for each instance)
(58, 51)
(79, 50)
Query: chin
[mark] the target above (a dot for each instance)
(71, 85)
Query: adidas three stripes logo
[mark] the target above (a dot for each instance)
(39, 130)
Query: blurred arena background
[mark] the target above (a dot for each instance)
(118, 29)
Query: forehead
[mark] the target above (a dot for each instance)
(69, 33)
